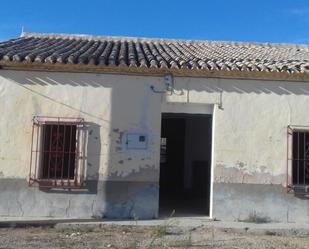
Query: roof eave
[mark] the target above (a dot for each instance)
(184, 72)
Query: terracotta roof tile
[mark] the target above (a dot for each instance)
(155, 53)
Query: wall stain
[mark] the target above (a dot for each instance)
(119, 138)
(240, 174)
(146, 173)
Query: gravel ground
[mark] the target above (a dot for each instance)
(110, 236)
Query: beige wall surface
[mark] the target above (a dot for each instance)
(249, 133)
(112, 106)
(250, 119)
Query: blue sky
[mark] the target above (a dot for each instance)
(285, 21)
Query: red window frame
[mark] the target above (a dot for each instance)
(57, 152)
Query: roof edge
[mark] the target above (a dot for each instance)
(75, 68)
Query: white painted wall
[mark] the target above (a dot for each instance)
(112, 105)
(250, 132)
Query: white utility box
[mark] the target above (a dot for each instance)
(136, 141)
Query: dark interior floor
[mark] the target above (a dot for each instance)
(183, 207)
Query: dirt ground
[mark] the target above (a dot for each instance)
(131, 237)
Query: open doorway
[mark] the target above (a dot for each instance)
(185, 164)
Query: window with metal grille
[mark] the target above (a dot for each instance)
(57, 152)
(298, 159)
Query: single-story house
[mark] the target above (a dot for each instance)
(122, 127)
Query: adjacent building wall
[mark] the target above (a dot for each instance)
(249, 143)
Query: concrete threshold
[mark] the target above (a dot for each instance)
(184, 223)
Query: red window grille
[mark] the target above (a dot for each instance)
(57, 152)
(298, 159)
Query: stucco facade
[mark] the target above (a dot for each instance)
(249, 142)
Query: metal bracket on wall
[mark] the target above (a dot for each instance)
(158, 91)
(169, 84)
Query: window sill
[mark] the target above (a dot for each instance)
(56, 183)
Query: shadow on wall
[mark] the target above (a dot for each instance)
(30, 80)
(211, 85)
(131, 181)
(128, 188)
(93, 156)
(130, 185)
(242, 86)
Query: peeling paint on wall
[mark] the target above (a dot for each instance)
(142, 205)
(147, 173)
(240, 174)
(249, 146)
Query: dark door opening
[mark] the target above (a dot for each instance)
(185, 164)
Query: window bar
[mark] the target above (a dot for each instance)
(36, 150)
(304, 156)
(63, 153)
(287, 161)
(70, 155)
(43, 150)
(49, 152)
(298, 157)
(82, 153)
(56, 152)
(291, 156)
(31, 151)
(76, 154)
(306, 164)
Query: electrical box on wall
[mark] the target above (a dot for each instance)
(136, 141)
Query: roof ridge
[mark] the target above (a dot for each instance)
(147, 39)
(94, 37)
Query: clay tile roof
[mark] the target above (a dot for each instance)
(167, 54)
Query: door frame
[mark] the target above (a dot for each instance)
(210, 109)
